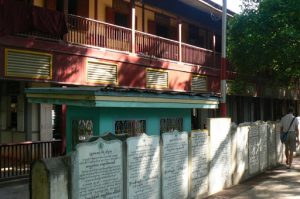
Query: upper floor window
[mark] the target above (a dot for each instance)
(122, 19)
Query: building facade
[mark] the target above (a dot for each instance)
(148, 45)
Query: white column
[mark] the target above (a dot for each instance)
(46, 133)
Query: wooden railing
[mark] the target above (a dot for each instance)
(200, 56)
(155, 46)
(16, 158)
(85, 31)
(95, 33)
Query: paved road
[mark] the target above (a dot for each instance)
(15, 190)
(279, 183)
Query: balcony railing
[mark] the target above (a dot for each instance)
(155, 46)
(84, 31)
(16, 158)
(95, 33)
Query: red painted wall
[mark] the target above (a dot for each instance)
(69, 65)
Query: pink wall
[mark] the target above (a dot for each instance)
(69, 65)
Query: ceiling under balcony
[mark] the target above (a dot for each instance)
(204, 12)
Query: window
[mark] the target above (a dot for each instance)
(82, 130)
(162, 25)
(122, 19)
(193, 35)
(130, 127)
(171, 124)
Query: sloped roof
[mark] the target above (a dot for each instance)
(121, 97)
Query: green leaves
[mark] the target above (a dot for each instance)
(265, 42)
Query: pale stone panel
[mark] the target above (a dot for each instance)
(279, 146)
(199, 163)
(220, 154)
(143, 167)
(49, 179)
(271, 145)
(175, 165)
(254, 149)
(242, 157)
(97, 170)
(263, 148)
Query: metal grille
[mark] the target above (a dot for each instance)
(130, 127)
(101, 73)
(28, 64)
(171, 124)
(199, 83)
(157, 79)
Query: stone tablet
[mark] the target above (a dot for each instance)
(97, 170)
(143, 167)
(220, 154)
(199, 164)
(175, 165)
(254, 149)
(242, 149)
(271, 145)
(263, 147)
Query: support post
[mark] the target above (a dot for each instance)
(66, 12)
(63, 128)
(180, 39)
(133, 26)
(223, 70)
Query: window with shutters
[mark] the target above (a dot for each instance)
(98, 72)
(29, 64)
(157, 78)
(199, 83)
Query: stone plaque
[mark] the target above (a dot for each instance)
(199, 164)
(242, 148)
(271, 145)
(220, 154)
(98, 170)
(263, 149)
(254, 149)
(143, 167)
(175, 165)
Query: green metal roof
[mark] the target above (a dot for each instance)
(114, 97)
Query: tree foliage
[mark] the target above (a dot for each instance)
(264, 42)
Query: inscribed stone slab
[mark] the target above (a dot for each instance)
(254, 149)
(98, 170)
(220, 154)
(242, 149)
(175, 165)
(143, 167)
(271, 145)
(263, 147)
(199, 164)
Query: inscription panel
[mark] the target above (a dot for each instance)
(254, 149)
(143, 167)
(175, 165)
(242, 148)
(98, 170)
(199, 164)
(263, 150)
(220, 154)
(271, 145)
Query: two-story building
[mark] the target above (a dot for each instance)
(169, 47)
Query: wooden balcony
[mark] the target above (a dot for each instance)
(93, 33)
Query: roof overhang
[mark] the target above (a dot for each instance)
(97, 97)
(207, 6)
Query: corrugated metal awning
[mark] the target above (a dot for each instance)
(114, 97)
